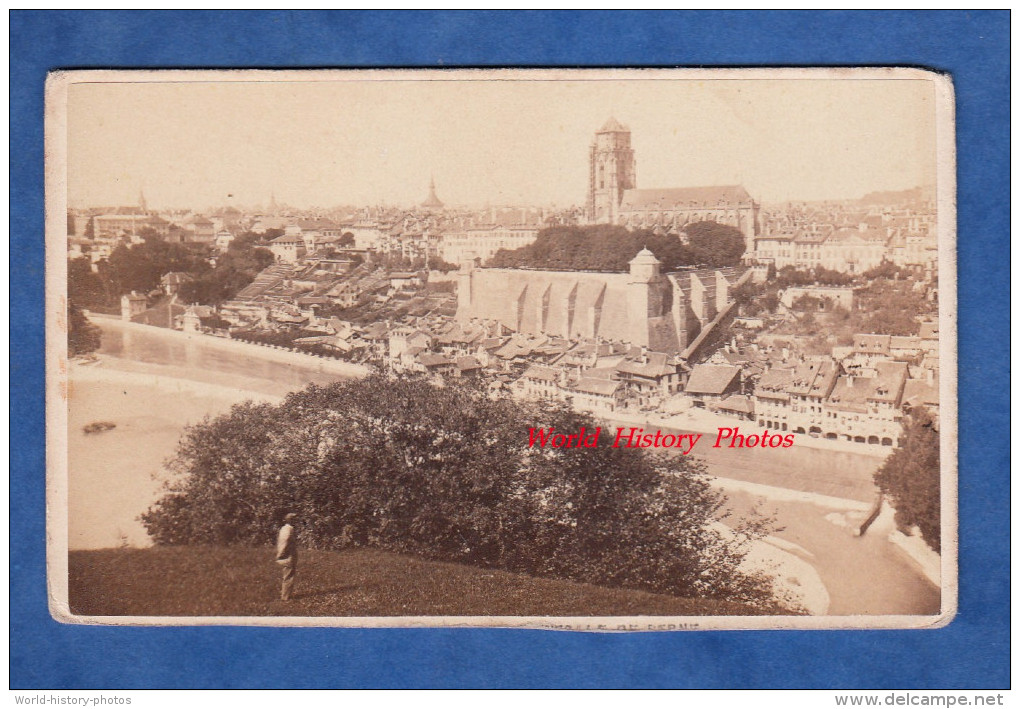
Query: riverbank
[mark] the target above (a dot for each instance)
(131, 375)
(225, 344)
(114, 475)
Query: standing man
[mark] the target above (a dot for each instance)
(286, 554)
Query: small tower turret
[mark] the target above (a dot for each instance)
(646, 295)
(644, 268)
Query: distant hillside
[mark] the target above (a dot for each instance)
(916, 194)
(239, 581)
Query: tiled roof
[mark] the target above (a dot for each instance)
(708, 197)
(738, 403)
(711, 378)
(918, 392)
(813, 378)
(433, 360)
(375, 331)
(773, 383)
(594, 385)
(904, 343)
(872, 344)
(656, 366)
(545, 374)
(854, 393)
(468, 363)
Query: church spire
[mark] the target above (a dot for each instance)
(432, 201)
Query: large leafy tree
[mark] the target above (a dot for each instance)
(910, 477)
(235, 268)
(90, 289)
(447, 473)
(714, 244)
(141, 266)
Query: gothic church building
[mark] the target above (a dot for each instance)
(613, 197)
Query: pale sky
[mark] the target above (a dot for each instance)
(369, 142)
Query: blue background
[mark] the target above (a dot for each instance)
(971, 652)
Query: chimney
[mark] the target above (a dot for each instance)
(850, 381)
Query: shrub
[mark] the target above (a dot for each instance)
(446, 473)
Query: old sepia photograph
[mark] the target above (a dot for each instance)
(599, 350)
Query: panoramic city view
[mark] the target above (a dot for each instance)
(558, 345)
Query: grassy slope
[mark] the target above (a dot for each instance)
(203, 581)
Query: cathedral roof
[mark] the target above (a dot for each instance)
(724, 195)
(613, 126)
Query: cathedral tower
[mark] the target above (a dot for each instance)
(611, 170)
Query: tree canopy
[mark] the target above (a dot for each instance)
(910, 477)
(235, 268)
(82, 336)
(607, 247)
(138, 267)
(141, 266)
(714, 244)
(91, 289)
(446, 473)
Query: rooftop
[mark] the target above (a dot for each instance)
(711, 378)
(723, 195)
(613, 126)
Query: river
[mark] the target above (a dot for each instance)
(114, 476)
